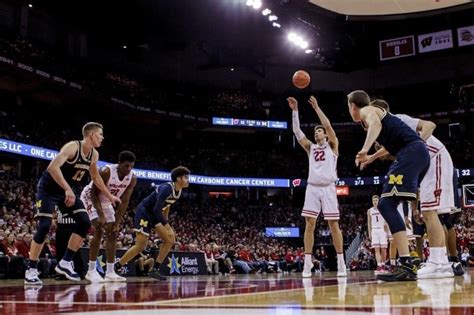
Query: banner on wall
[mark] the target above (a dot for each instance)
(435, 41)
(466, 35)
(397, 47)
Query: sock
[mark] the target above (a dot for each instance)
(443, 255)
(91, 265)
(340, 259)
(307, 259)
(380, 264)
(110, 267)
(454, 258)
(393, 262)
(69, 255)
(33, 264)
(438, 255)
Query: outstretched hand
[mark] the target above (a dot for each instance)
(293, 103)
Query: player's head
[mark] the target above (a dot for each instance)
(375, 200)
(320, 133)
(357, 100)
(126, 162)
(180, 175)
(93, 132)
(380, 103)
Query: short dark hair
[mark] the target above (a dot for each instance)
(359, 98)
(320, 127)
(89, 127)
(179, 171)
(126, 156)
(380, 103)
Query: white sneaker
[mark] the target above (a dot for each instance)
(342, 271)
(94, 277)
(113, 277)
(32, 276)
(307, 269)
(430, 270)
(66, 268)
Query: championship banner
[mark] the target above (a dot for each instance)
(435, 41)
(397, 47)
(466, 35)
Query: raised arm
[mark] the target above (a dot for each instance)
(300, 136)
(332, 139)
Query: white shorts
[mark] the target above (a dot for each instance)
(436, 189)
(379, 238)
(319, 198)
(109, 211)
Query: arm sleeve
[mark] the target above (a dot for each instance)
(296, 126)
(163, 192)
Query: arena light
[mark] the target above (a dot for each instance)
(249, 3)
(257, 4)
(308, 51)
(272, 18)
(298, 40)
(124, 46)
(30, 5)
(266, 12)
(277, 25)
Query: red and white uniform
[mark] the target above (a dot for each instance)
(377, 222)
(436, 189)
(116, 187)
(321, 188)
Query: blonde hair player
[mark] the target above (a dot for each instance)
(321, 188)
(377, 234)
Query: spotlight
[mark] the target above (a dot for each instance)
(277, 25)
(249, 3)
(266, 12)
(231, 69)
(124, 46)
(308, 51)
(272, 18)
(304, 44)
(257, 4)
(30, 5)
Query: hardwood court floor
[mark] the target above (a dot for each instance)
(272, 294)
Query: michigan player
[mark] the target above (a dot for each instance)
(377, 235)
(404, 174)
(120, 181)
(436, 194)
(321, 189)
(59, 186)
(152, 213)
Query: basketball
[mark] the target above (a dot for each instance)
(301, 79)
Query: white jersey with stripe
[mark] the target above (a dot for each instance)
(432, 143)
(116, 186)
(376, 219)
(322, 165)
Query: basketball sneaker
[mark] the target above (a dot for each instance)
(94, 277)
(380, 269)
(430, 270)
(405, 272)
(66, 268)
(32, 276)
(457, 269)
(307, 269)
(114, 277)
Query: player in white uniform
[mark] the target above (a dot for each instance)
(377, 234)
(436, 194)
(321, 188)
(120, 181)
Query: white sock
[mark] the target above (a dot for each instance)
(393, 262)
(340, 260)
(438, 255)
(110, 268)
(91, 265)
(380, 264)
(308, 259)
(443, 255)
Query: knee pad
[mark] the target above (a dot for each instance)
(447, 220)
(83, 223)
(44, 224)
(388, 210)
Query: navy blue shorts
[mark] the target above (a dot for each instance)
(145, 221)
(418, 229)
(47, 202)
(406, 172)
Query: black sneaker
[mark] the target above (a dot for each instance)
(156, 274)
(402, 273)
(457, 268)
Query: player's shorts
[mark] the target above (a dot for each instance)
(379, 238)
(145, 221)
(436, 189)
(319, 198)
(46, 203)
(109, 211)
(407, 171)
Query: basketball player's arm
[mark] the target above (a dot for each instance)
(369, 224)
(300, 136)
(125, 201)
(163, 192)
(425, 128)
(332, 139)
(374, 126)
(67, 152)
(105, 174)
(98, 181)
